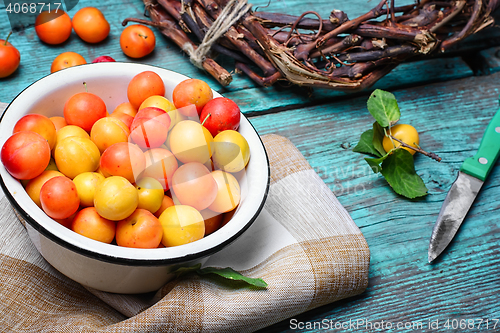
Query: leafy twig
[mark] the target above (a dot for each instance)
(396, 165)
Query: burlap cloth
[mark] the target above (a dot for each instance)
(304, 245)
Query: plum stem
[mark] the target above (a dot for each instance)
(420, 150)
(208, 115)
(6, 39)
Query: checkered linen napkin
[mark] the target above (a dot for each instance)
(304, 245)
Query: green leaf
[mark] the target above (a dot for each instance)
(399, 171)
(365, 144)
(231, 274)
(383, 106)
(375, 163)
(185, 270)
(378, 137)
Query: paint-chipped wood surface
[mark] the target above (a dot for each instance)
(462, 284)
(448, 99)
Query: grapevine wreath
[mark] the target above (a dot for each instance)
(336, 53)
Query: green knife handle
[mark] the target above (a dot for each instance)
(481, 164)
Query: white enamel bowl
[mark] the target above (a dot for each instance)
(109, 267)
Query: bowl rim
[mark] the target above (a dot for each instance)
(122, 260)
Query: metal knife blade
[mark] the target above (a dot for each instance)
(464, 190)
(457, 203)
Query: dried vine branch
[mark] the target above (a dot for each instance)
(418, 149)
(337, 53)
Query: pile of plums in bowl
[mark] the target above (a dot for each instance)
(125, 172)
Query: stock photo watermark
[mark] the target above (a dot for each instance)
(364, 324)
(348, 180)
(22, 14)
(351, 179)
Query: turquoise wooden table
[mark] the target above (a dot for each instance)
(450, 100)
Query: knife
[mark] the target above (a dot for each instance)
(464, 190)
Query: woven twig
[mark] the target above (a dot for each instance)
(337, 53)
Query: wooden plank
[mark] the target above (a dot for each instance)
(491, 58)
(36, 58)
(450, 117)
(403, 287)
